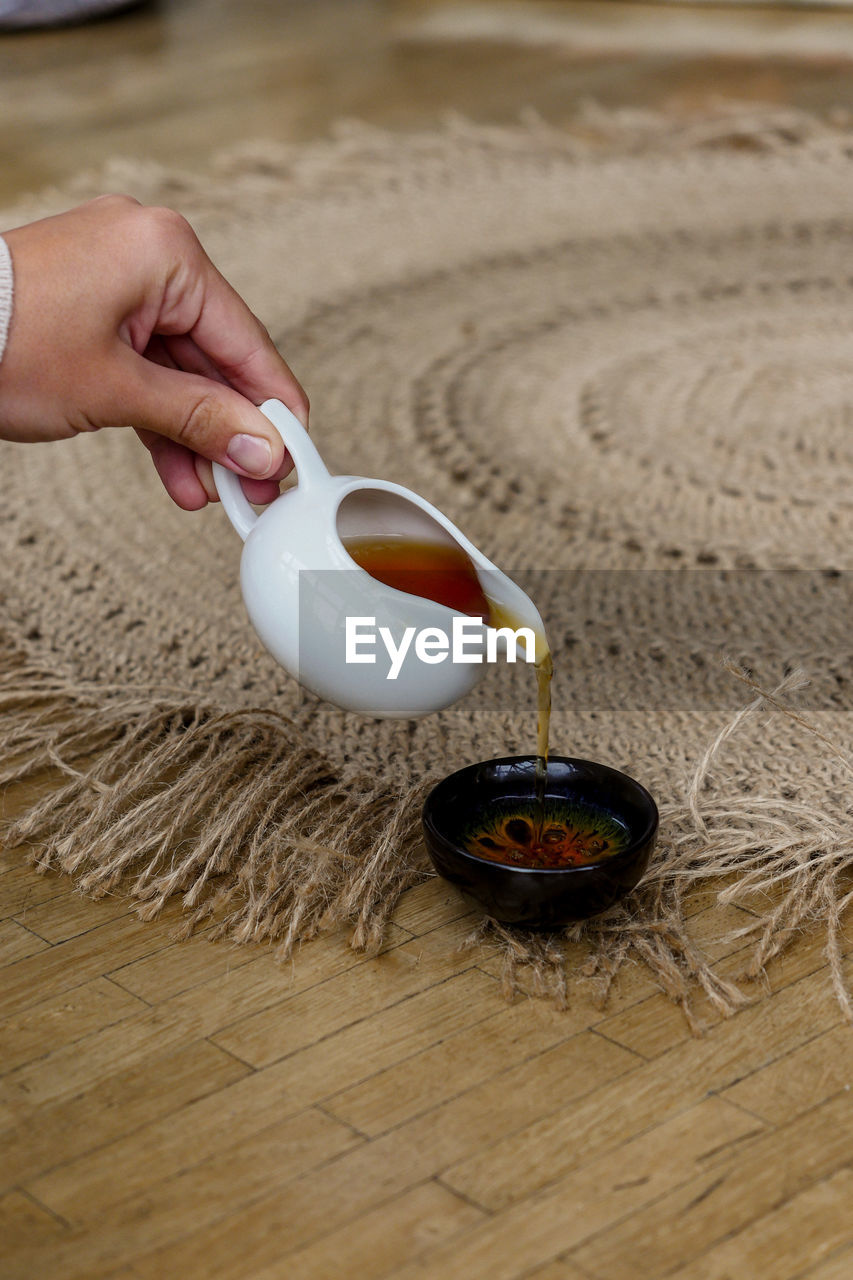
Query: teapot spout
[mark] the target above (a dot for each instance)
(515, 616)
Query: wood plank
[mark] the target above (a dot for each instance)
(558, 1269)
(191, 1015)
(164, 1147)
(684, 1225)
(22, 889)
(516, 1034)
(525, 1160)
(158, 977)
(47, 1135)
(377, 1171)
(86, 956)
(838, 1267)
(161, 1149)
(431, 904)
(712, 929)
(633, 983)
(599, 1193)
(653, 1027)
(158, 1150)
(71, 913)
(302, 1019)
(797, 1235)
(505, 1103)
(212, 1191)
(63, 1020)
(11, 858)
(799, 1080)
(16, 942)
(394, 1034)
(24, 1224)
(381, 1240)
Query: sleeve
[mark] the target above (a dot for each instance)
(5, 293)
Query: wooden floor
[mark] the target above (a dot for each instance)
(195, 1110)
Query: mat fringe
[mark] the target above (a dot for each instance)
(155, 794)
(789, 865)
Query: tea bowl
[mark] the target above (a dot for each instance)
(538, 897)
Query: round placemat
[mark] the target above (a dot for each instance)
(621, 365)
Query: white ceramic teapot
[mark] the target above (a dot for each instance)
(341, 633)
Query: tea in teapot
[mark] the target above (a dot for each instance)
(445, 574)
(334, 550)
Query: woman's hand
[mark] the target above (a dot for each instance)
(121, 319)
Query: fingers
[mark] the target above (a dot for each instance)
(204, 416)
(239, 345)
(171, 459)
(206, 335)
(203, 306)
(175, 465)
(188, 477)
(180, 352)
(204, 471)
(158, 353)
(259, 492)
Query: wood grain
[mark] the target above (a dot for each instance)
(198, 1110)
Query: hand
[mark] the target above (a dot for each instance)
(120, 318)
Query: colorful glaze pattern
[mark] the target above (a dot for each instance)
(562, 836)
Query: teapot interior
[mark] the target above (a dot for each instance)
(403, 546)
(366, 513)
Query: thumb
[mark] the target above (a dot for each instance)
(208, 417)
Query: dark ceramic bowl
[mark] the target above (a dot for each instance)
(538, 897)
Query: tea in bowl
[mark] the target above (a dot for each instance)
(540, 859)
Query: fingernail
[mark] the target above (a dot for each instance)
(252, 453)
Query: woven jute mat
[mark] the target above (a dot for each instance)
(621, 359)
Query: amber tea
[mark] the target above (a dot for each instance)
(549, 837)
(444, 573)
(435, 571)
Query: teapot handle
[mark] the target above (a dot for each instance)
(309, 467)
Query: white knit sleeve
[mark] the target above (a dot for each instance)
(5, 293)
